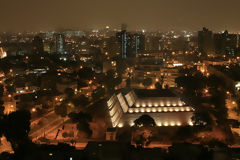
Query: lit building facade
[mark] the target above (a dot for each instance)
(59, 43)
(162, 105)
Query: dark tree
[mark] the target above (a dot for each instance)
(184, 133)
(69, 92)
(80, 117)
(158, 85)
(147, 82)
(2, 108)
(16, 127)
(144, 120)
(86, 73)
(82, 100)
(215, 82)
(61, 110)
(85, 127)
(82, 120)
(10, 89)
(1, 90)
(202, 118)
(191, 84)
(128, 82)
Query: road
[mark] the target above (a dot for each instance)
(55, 123)
(58, 122)
(46, 115)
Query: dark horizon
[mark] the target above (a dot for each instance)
(151, 15)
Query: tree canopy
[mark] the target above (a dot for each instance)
(147, 82)
(144, 120)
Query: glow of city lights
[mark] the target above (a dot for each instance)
(172, 124)
(188, 109)
(159, 110)
(142, 110)
(190, 123)
(130, 111)
(170, 109)
(182, 109)
(165, 109)
(178, 124)
(148, 110)
(176, 109)
(155, 104)
(149, 105)
(136, 110)
(144, 105)
(159, 124)
(166, 124)
(137, 105)
(154, 110)
(162, 104)
(120, 125)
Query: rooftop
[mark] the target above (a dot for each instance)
(144, 93)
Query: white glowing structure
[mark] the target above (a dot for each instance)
(167, 110)
(3, 54)
(166, 124)
(120, 125)
(178, 123)
(130, 111)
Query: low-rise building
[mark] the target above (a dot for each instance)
(162, 105)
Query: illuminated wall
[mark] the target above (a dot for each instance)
(166, 111)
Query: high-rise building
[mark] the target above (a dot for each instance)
(122, 39)
(37, 45)
(130, 43)
(59, 40)
(205, 41)
(139, 42)
(226, 43)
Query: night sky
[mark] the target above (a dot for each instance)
(19, 15)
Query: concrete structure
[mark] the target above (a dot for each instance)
(162, 105)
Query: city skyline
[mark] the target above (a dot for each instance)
(151, 15)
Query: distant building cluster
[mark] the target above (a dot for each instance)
(210, 43)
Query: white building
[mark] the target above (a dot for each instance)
(162, 105)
